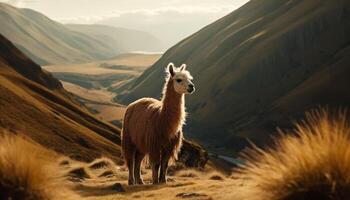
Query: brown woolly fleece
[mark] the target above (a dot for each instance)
(154, 128)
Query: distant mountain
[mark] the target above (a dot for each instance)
(49, 42)
(34, 104)
(126, 40)
(257, 68)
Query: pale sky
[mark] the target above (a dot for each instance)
(184, 16)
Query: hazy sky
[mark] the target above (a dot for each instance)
(184, 16)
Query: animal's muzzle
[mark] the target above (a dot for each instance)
(191, 88)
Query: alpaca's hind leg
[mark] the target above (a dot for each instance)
(164, 167)
(129, 151)
(138, 160)
(130, 162)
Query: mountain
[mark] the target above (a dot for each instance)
(46, 41)
(126, 40)
(257, 68)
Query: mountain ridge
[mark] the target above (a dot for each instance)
(49, 42)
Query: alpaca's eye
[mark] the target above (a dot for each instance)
(178, 80)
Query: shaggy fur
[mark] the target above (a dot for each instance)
(154, 128)
(311, 163)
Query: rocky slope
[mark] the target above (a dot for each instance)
(257, 68)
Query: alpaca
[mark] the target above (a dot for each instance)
(153, 127)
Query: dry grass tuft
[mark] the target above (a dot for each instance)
(64, 162)
(311, 162)
(216, 176)
(101, 163)
(107, 173)
(28, 171)
(79, 173)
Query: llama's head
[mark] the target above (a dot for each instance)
(181, 79)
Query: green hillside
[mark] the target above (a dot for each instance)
(257, 68)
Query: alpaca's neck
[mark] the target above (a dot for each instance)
(173, 108)
(172, 101)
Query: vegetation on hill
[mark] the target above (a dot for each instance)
(309, 163)
(29, 172)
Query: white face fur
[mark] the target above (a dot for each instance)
(181, 78)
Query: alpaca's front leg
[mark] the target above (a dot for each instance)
(155, 172)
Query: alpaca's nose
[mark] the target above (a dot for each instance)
(190, 88)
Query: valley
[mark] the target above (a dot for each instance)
(96, 84)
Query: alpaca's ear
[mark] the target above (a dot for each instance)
(170, 69)
(183, 67)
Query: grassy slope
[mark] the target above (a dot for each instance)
(47, 41)
(258, 67)
(35, 104)
(127, 40)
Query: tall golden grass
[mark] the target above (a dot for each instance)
(28, 171)
(310, 162)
